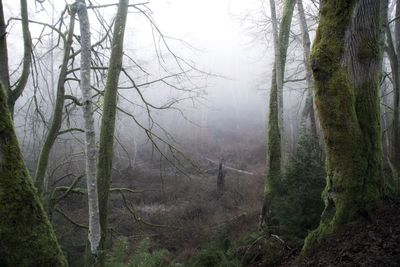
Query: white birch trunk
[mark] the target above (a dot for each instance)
(90, 144)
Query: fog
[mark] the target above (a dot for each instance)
(194, 91)
(225, 50)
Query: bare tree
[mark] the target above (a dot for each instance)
(90, 144)
(57, 116)
(104, 164)
(14, 93)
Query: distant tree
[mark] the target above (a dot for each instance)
(393, 49)
(57, 116)
(346, 61)
(308, 110)
(26, 235)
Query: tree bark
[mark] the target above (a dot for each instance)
(57, 113)
(104, 164)
(345, 61)
(26, 235)
(94, 234)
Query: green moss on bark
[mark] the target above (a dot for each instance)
(26, 236)
(349, 113)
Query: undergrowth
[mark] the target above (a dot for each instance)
(119, 257)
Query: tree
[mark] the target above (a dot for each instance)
(14, 94)
(346, 64)
(26, 236)
(308, 111)
(393, 50)
(274, 150)
(90, 144)
(104, 163)
(56, 120)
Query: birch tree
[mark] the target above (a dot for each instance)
(90, 143)
(346, 60)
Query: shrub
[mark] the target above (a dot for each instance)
(213, 256)
(298, 205)
(142, 257)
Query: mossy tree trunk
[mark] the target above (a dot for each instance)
(346, 60)
(26, 235)
(274, 150)
(56, 120)
(104, 163)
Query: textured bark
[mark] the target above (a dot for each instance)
(94, 235)
(345, 61)
(4, 72)
(308, 111)
(105, 159)
(56, 120)
(27, 60)
(26, 236)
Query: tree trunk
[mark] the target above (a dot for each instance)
(308, 111)
(345, 61)
(104, 163)
(26, 236)
(395, 157)
(27, 60)
(57, 113)
(283, 44)
(4, 72)
(274, 150)
(90, 144)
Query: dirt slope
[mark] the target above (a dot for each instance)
(362, 243)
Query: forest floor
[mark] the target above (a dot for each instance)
(361, 243)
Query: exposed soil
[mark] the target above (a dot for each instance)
(362, 243)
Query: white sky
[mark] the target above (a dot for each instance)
(225, 45)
